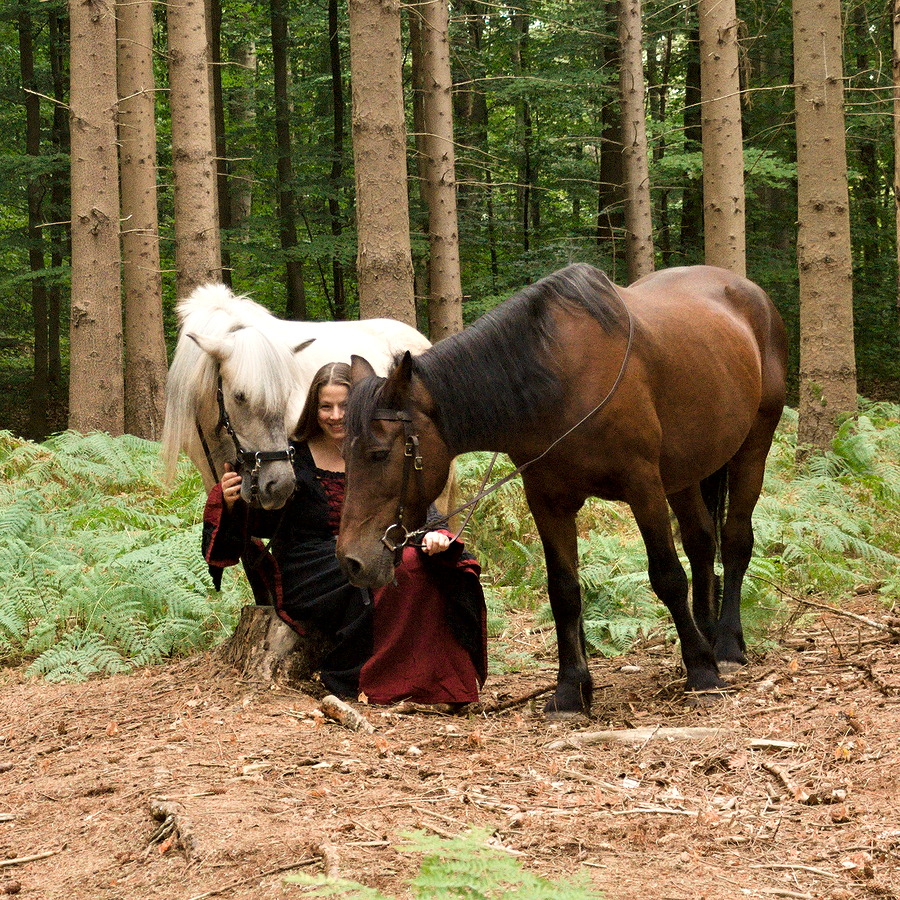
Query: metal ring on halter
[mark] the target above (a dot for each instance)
(392, 545)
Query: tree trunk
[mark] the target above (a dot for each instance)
(96, 387)
(611, 189)
(242, 114)
(690, 236)
(723, 154)
(145, 345)
(445, 299)
(384, 260)
(197, 247)
(422, 275)
(264, 648)
(658, 87)
(638, 213)
(295, 301)
(37, 424)
(60, 207)
(526, 194)
(220, 148)
(827, 364)
(339, 306)
(895, 62)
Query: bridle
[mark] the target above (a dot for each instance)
(396, 536)
(249, 459)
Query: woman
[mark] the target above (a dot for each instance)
(421, 638)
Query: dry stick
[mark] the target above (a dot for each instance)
(242, 881)
(787, 782)
(517, 701)
(634, 735)
(27, 859)
(793, 867)
(894, 632)
(345, 715)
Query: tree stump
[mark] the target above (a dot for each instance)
(265, 648)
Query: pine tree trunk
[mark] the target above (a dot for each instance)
(827, 364)
(60, 206)
(419, 218)
(96, 384)
(526, 194)
(384, 260)
(295, 300)
(638, 212)
(445, 299)
(339, 305)
(145, 345)
(723, 153)
(242, 113)
(220, 148)
(690, 238)
(895, 64)
(37, 424)
(197, 247)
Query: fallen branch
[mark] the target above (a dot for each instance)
(329, 855)
(517, 701)
(242, 881)
(636, 735)
(793, 867)
(865, 620)
(345, 715)
(19, 860)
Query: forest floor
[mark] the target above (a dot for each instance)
(796, 792)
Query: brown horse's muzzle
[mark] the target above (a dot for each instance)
(363, 569)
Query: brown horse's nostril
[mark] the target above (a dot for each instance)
(352, 568)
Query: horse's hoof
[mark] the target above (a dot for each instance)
(563, 715)
(569, 703)
(701, 699)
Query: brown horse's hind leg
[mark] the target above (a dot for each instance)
(574, 689)
(668, 580)
(745, 478)
(699, 541)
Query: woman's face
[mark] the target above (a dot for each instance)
(332, 404)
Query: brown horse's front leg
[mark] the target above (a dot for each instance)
(669, 582)
(574, 689)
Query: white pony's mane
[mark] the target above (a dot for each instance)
(262, 366)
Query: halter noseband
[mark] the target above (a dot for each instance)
(252, 459)
(396, 537)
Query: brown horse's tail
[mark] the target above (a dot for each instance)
(715, 495)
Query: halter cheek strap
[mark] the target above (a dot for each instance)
(396, 537)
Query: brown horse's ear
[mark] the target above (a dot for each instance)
(393, 394)
(359, 368)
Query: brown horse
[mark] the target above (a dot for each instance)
(665, 393)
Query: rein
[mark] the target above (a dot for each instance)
(252, 459)
(413, 459)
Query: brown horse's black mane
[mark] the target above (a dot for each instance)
(498, 374)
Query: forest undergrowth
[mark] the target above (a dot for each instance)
(103, 573)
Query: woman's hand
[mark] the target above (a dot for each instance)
(435, 542)
(231, 486)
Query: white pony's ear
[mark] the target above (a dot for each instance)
(300, 347)
(218, 348)
(359, 368)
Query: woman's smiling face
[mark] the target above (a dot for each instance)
(332, 405)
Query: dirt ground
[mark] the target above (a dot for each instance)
(795, 793)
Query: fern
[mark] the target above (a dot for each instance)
(466, 866)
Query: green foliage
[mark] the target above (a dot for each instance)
(100, 561)
(466, 866)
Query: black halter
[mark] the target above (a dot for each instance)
(396, 537)
(248, 459)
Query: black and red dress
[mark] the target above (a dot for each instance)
(422, 638)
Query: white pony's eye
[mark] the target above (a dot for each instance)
(240, 397)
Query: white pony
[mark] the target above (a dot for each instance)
(239, 379)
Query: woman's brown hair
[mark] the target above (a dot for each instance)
(330, 373)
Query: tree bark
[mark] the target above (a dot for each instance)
(37, 422)
(145, 345)
(895, 65)
(723, 153)
(445, 298)
(197, 246)
(339, 305)
(690, 238)
(242, 114)
(96, 384)
(295, 300)
(220, 147)
(384, 259)
(638, 212)
(827, 363)
(526, 194)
